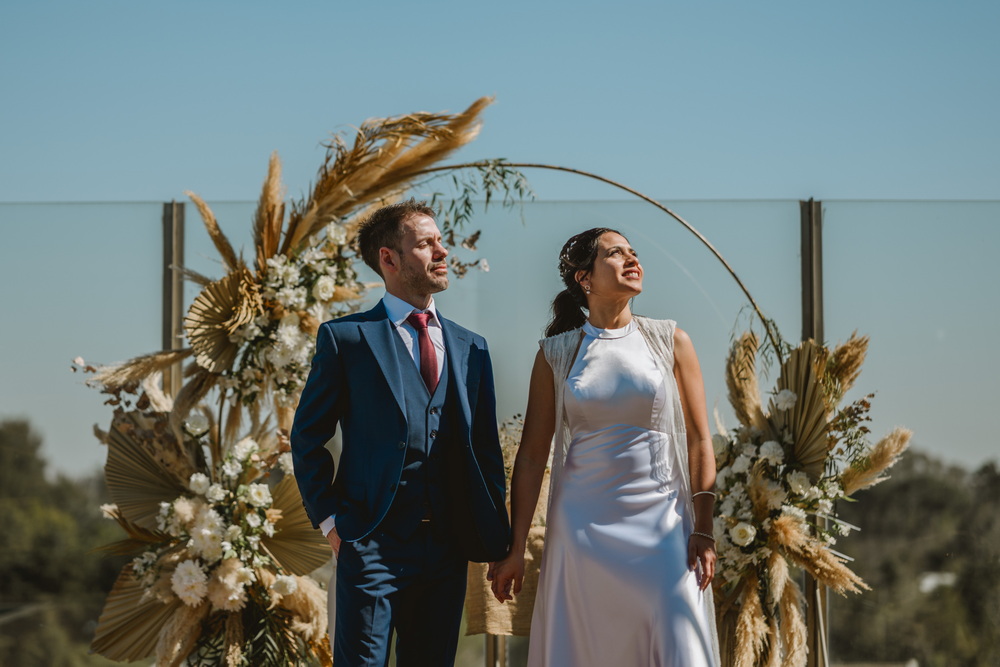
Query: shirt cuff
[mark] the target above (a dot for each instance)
(328, 524)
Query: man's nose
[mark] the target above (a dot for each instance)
(440, 251)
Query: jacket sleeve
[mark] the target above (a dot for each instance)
(485, 437)
(320, 408)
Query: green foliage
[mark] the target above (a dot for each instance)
(930, 550)
(52, 582)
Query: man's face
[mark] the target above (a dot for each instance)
(422, 269)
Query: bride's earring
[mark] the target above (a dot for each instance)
(586, 288)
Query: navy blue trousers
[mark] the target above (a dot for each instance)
(413, 589)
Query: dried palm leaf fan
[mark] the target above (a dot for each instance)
(296, 545)
(130, 625)
(806, 421)
(137, 482)
(220, 309)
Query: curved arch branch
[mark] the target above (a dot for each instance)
(533, 165)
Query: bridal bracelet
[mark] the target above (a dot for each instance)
(711, 537)
(703, 493)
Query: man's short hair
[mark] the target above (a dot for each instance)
(384, 229)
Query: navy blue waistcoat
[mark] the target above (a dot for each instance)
(421, 492)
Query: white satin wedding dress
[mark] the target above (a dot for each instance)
(614, 589)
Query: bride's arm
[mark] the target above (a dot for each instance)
(701, 457)
(526, 480)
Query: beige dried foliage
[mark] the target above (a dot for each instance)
(234, 640)
(806, 421)
(741, 381)
(219, 239)
(153, 386)
(777, 575)
(308, 323)
(844, 363)
(270, 214)
(758, 490)
(386, 154)
(751, 628)
(180, 634)
(813, 557)
(793, 627)
(134, 371)
(773, 658)
(308, 606)
(216, 313)
(191, 394)
(883, 456)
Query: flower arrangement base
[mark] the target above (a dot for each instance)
(483, 614)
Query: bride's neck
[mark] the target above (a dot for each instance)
(610, 316)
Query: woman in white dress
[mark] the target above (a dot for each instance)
(629, 555)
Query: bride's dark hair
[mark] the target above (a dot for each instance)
(578, 254)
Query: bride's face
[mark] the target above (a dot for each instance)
(616, 272)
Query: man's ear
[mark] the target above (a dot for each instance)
(388, 259)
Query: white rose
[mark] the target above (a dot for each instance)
(798, 482)
(253, 520)
(785, 399)
(742, 533)
(244, 448)
(749, 449)
(196, 424)
(199, 483)
(324, 288)
(259, 495)
(215, 493)
(109, 510)
(232, 468)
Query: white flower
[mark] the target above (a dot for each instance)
(291, 297)
(324, 288)
(189, 583)
(774, 494)
(336, 233)
(269, 529)
(259, 495)
(244, 448)
(742, 464)
(199, 483)
(722, 477)
(728, 506)
(226, 590)
(79, 361)
(234, 532)
(253, 520)
(785, 399)
(798, 482)
(792, 510)
(484, 266)
(196, 424)
(185, 510)
(285, 463)
(232, 468)
(742, 533)
(216, 493)
(825, 506)
(749, 449)
(109, 510)
(772, 452)
(285, 585)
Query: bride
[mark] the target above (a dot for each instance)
(629, 553)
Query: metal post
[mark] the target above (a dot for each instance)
(817, 603)
(173, 289)
(496, 651)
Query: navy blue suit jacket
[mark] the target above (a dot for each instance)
(356, 382)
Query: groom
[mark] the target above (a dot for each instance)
(420, 487)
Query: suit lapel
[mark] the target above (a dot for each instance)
(457, 345)
(378, 332)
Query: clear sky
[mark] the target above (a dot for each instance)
(136, 102)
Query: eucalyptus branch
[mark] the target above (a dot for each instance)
(768, 326)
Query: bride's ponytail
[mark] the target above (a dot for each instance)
(577, 255)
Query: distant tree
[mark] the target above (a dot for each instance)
(53, 581)
(928, 547)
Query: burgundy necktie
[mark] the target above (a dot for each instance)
(428, 357)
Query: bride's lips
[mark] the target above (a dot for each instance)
(632, 274)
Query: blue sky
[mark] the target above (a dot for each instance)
(137, 102)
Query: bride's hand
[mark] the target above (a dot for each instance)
(505, 575)
(701, 559)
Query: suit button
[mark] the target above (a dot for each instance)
(434, 434)
(434, 411)
(401, 445)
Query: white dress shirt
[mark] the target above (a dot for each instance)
(397, 311)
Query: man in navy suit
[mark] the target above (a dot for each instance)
(419, 490)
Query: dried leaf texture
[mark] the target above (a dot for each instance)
(220, 309)
(806, 421)
(270, 214)
(882, 457)
(131, 622)
(219, 239)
